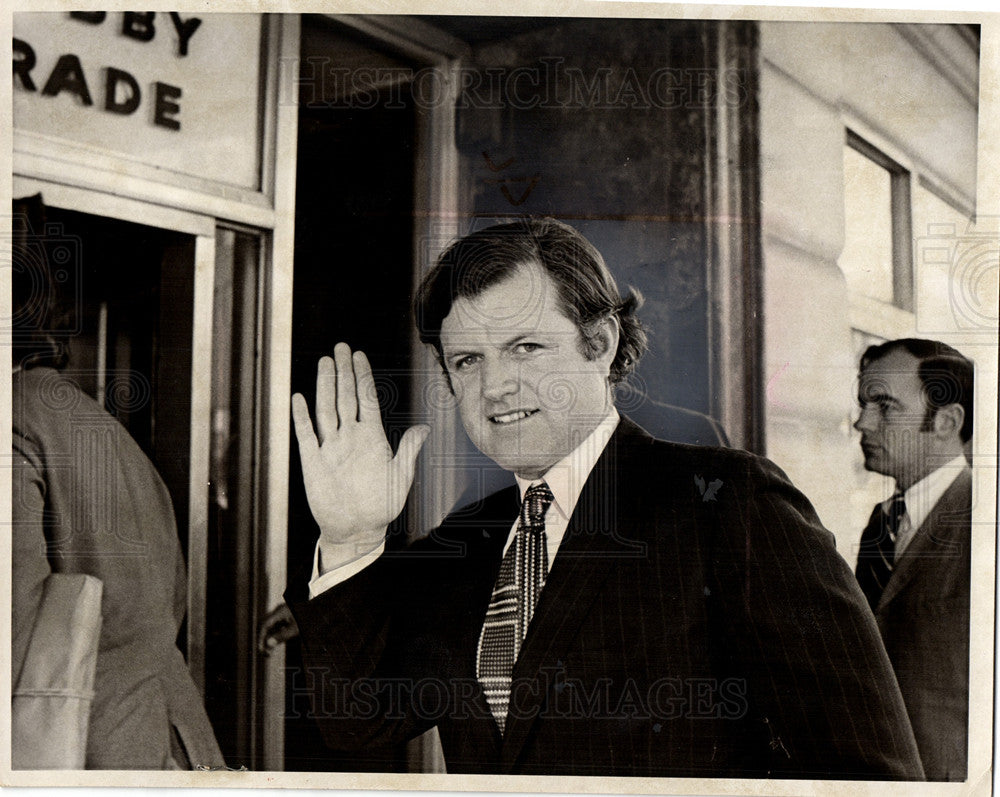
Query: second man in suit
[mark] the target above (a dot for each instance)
(914, 558)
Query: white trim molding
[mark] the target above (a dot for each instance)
(950, 51)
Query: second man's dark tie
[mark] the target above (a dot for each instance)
(877, 551)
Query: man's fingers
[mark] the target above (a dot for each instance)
(367, 394)
(347, 398)
(326, 393)
(308, 445)
(406, 455)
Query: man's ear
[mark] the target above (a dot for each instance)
(948, 420)
(606, 340)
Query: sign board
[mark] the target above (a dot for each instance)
(178, 91)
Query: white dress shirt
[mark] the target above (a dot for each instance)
(565, 479)
(921, 498)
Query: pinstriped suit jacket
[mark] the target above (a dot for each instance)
(697, 621)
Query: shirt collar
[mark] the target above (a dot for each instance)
(921, 497)
(567, 477)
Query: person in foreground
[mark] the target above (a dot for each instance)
(652, 609)
(914, 557)
(86, 499)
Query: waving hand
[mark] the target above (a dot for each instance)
(354, 484)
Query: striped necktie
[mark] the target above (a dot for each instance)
(518, 587)
(877, 551)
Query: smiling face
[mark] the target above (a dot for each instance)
(895, 437)
(526, 393)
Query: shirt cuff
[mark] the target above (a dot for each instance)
(319, 584)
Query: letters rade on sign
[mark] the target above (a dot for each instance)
(121, 92)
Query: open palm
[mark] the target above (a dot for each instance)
(354, 484)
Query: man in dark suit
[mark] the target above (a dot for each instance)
(653, 608)
(914, 557)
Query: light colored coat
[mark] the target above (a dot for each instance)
(86, 499)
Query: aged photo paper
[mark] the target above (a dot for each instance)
(223, 194)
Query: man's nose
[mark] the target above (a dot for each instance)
(499, 379)
(863, 423)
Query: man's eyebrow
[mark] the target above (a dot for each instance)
(460, 352)
(520, 337)
(866, 396)
(506, 344)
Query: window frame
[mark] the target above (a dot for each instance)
(901, 214)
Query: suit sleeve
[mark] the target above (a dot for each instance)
(30, 564)
(818, 674)
(360, 668)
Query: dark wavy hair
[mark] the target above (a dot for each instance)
(586, 291)
(38, 311)
(946, 375)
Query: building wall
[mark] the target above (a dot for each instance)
(912, 91)
(607, 130)
(607, 127)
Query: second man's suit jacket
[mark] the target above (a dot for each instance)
(923, 615)
(696, 621)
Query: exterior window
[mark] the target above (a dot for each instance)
(877, 256)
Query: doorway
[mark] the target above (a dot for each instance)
(131, 291)
(354, 269)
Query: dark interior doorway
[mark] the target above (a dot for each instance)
(353, 274)
(131, 291)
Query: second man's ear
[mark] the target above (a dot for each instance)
(948, 420)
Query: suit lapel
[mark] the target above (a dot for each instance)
(591, 549)
(935, 536)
